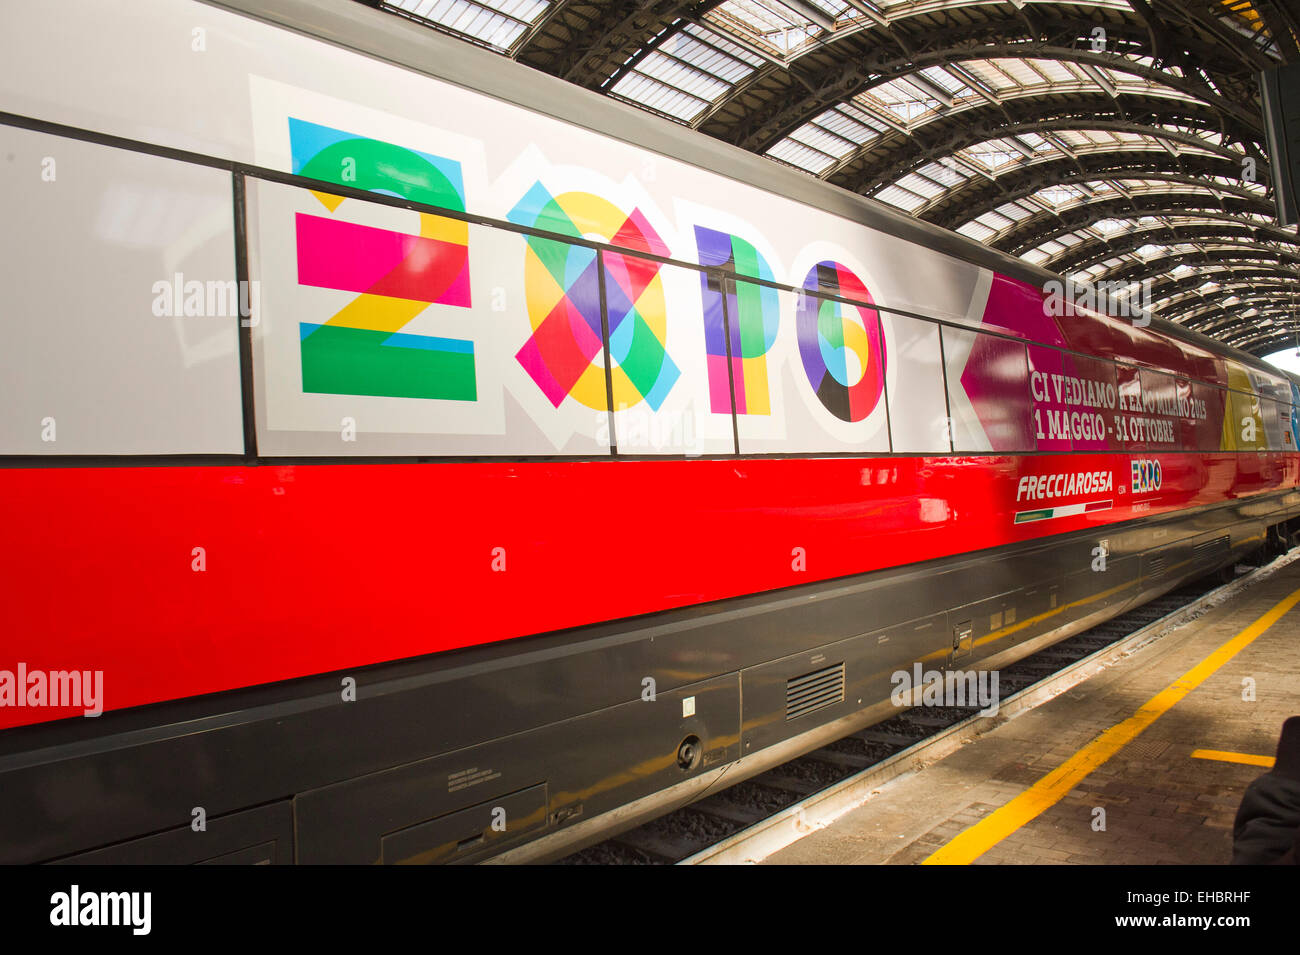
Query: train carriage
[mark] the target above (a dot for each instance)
(411, 458)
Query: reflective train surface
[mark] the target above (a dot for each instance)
(408, 457)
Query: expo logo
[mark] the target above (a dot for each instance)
(1146, 476)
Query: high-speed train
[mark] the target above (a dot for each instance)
(407, 457)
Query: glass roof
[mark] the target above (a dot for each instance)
(688, 71)
(909, 102)
(781, 28)
(697, 63)
(494, 23)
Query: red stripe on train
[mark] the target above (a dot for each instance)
(323, 567)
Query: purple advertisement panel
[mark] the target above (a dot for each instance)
(1074, 401)
(1128, 387)
(1158, 421)
(1098, 393)
(1050, 398)
(1200, 417)
(1189, 423)
(989, 398)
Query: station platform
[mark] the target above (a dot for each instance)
(1144, 763)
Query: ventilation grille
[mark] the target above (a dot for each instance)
(1157, 566)
(812, 691)
(1210, 550)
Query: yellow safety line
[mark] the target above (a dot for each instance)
(1250, 759)
(1048, 791)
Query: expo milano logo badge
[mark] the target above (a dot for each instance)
(1146, 476)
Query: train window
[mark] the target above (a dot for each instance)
(1290, 414)
(1209, 407)
(1268, 386)
(1245, 430)
(826, 374)
(383, 330)
(1273, 416)
(918, 410)
(1075, 401)
(740, 320)
(762, 378)
(669, 397)
(1091, 390)
(827, 369)
(1157, 421)
(1278, 393)
(1190, 414)
(988, 392)
(1053, 400)
(122, 335)
(1128, 396)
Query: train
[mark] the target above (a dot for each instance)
(406, 457)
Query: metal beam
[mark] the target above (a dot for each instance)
(858, 70)
(889, 158)
(1033, 231)
(867, 12)
(814, 14)
(963, 203)
(1136, 271)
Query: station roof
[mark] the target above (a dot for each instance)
(1105, 140)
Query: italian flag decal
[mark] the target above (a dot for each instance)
(1064, 510)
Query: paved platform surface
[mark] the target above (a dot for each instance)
(1162, 805)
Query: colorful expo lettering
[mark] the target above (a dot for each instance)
(581, 294)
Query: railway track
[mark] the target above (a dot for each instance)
(731, 825)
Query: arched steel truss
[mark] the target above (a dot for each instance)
(1102, 139)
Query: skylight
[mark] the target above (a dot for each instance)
(494, 23)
